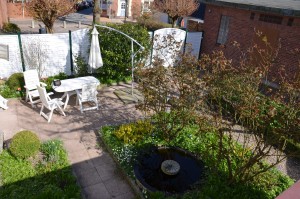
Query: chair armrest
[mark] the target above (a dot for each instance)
(43, 84)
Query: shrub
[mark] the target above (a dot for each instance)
(116, 51)
(16, 81)
(6, 92)
(25, 144)
(49, 80)
(81, 68)
(53, 150)
(133, 132)
(11, 28)
(152, 24)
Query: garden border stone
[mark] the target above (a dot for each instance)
(132, 184)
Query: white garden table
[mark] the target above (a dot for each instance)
(69, 86)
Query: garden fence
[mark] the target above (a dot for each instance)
(51, 53)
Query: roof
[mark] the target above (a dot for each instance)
(282, 7)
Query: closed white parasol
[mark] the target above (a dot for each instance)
(95, 58)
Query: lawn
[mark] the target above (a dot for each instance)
(46, 175)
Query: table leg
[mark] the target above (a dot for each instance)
(67, 99)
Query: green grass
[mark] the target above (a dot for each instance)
(47, 177)
(268, 185)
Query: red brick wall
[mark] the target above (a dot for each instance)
(242, 29)
(136, 8)
(3, 13)
(114, 8)
(14, 10)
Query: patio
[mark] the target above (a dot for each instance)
(96, 172)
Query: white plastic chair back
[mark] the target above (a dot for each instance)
(43, 96)
(48, 103)
(31, 78)
(89, 92)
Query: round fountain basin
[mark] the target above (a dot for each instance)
(150, 175)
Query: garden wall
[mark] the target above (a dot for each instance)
(50, 52)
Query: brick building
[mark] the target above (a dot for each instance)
(227, 21)
(3, 13)
(130, 8)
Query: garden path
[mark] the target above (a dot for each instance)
(96, 172)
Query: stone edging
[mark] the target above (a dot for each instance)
(131, 182)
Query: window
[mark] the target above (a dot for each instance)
(223, 30)
(123, 5)
(270, 19)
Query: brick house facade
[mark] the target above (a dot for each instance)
(133, 7)
(226, 22)
(3, 13)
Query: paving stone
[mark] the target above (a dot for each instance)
(103, 159)
(72, 146)
(87, 177)
(95, 152)
(97, 191)
(128, 195)
(107, 171)
(120, 183)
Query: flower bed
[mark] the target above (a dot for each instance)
(267, 185)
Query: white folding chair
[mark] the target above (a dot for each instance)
(31, 81)
(3, 103)
(88, 93)
(48, 103)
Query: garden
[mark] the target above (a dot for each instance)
(223, 116)
(31, 169)
(211, 123)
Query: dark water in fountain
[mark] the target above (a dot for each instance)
(148, 170)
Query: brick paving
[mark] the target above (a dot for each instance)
(96, 172)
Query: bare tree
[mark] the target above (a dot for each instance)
(48, 11)
(176, 8)
(96, 12)
(35, 55)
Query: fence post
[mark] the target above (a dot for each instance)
(71, 54)
(186, 34)
(151, 53)
(21, 51)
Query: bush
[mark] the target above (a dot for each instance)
(133, 132)
(148, 22)
(16, 81)
(6, 92)
(53, 150)
(25, 144)
(50, 79)
(116, 51)
(11, 28)
(81, 68)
